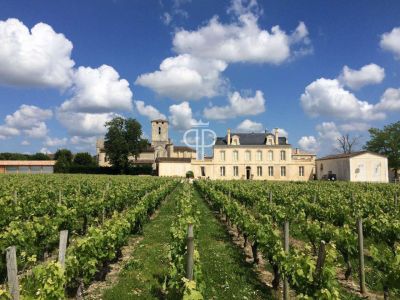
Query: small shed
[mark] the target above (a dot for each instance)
(362, 166)
(27, 166)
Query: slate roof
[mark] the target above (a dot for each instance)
(183, 148)
(348, 155)
(174, 159)
(250, 139)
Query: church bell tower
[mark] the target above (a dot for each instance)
(159, 133)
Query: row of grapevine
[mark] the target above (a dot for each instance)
(45, 208)
(299, 267)
(88, 255)
(184, 278)
(329, 212)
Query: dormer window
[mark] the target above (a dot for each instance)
(235, 140)
(270, 140)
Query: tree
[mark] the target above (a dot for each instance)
(67, 154)
(347, 143)
(123, 138)
(64, 160)
(386, 142)
(83, 159)
(39, 156)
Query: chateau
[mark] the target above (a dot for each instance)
(160, 147)
(258, 156)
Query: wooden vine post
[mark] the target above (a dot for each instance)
(361, 255)
(12, 272)
(270, 197)
(286, 248)
(190, 253)
(62, 248)
(395, 200)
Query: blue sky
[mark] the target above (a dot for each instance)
(67, 66)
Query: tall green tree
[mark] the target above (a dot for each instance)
(64, 160)
(123, 139)
(83, 159)
(386, 141)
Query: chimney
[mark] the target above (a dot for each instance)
(228, 137)
(276, 136)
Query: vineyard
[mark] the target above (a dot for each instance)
(316, 240)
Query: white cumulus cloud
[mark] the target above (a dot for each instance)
(84, 124)
(390, 41)
(27, 116)
(181, 116)
(55, 142)
(99, 90)
(34, 57)
(309, 143)
(6, 132)
(328, 131)
(390, 100)
(185, 77)
(327, 97)
(241, 41)
(354, 126)
(28, 119)
(249, 126)
(238, 106)
(148, 111)
(39, 131)
(368, 74)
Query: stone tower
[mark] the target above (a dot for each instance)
(159, 133)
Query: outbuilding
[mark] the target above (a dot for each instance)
(27, 166)
(362, 166)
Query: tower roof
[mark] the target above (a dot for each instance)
(159, 120)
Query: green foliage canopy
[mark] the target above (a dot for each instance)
(83, 159)
(386, 141)
(123, 139)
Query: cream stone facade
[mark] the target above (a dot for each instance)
(160, 147)
(257, 156)
(27, 166)
(360, 166)
(253, 156)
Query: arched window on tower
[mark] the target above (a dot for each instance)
(159, 130)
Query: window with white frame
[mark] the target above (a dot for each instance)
(283, 155)
(235, 155)
(283, 171)
(222, 155)
(235, 171)
(270, 171)
(259, 155)
(259, 171)
(222, 171)
(270, 155)
(301, 171)
(247, 155)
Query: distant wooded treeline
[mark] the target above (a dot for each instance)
(20, 156)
